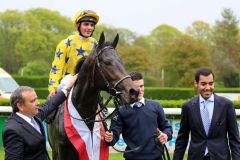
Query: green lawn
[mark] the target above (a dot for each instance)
(113, 156)
(1, 153)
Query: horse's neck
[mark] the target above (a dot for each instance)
(85, 99)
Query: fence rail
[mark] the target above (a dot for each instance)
(168, 111)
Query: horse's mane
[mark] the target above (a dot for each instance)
(79, 64)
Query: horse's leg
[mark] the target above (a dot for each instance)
(67, 152)
(62, 148)
(53, 132)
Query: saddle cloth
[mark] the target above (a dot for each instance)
(90, 146)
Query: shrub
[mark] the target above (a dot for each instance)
(179, 93)
(169, 93)
(32, 81)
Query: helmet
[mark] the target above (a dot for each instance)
(85, 16)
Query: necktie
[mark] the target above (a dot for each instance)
(35, 125)
(137, 105)
(205, 118)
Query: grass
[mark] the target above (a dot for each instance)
(113, 156)
(1, 153)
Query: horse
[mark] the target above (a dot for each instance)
(102, 70)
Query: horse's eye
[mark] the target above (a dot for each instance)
(107, 62)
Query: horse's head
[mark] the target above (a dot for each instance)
(107, 72)
(111, 75)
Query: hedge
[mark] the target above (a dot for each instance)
(32, 81)
(40, 84)
(179, 93)
(169, 93)
(42, 81)
(42, 92)
(164, 103)
(159, 93)
(6, 102)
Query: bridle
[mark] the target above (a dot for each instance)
(114, 93)
(112, 89)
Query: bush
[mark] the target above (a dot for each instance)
(169, 93)
(179, 93)
(42, 93)
(32, 81)
(37, 67)
(152, 81)
(6, 102)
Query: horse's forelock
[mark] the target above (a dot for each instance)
(108, 43)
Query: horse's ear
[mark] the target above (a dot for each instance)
(115, 42)
(101, 40)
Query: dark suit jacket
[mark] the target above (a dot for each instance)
(223, 133)
(22, 141)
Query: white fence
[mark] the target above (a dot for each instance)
(168, 111)
(121, 144)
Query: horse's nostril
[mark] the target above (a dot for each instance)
(134, 92)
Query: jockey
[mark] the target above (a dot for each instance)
(70, 50)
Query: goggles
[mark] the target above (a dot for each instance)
(85, 12)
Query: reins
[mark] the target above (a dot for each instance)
(103, 120)
(102, 107)
(139, 148)
(114, 93)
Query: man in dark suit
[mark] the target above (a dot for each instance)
(212, 122)
(138, 124)
(23, 134)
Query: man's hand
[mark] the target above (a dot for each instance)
(108, 136)
(52, 93)
(72, 81)
(67, 82)
(162, 137)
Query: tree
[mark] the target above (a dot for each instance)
(180, 60)
(163, 35)
(135, 58)
(38, 67)
(126, 36)
(160, 37)
(10, 30)
(31, 35)
(200, 31)
(226, 49)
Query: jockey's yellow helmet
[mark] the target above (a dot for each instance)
(85, 15)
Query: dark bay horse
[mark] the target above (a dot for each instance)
(102, 70)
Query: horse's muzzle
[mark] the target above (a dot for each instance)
(133, 92)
